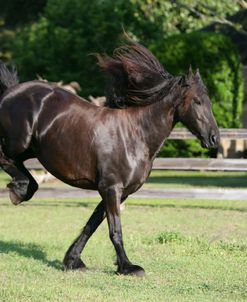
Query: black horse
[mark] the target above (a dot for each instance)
(100, 148)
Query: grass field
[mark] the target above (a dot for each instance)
(190, 179)
(191, 250)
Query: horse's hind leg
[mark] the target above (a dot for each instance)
(23, 185)
(72, 257)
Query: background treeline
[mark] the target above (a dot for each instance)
(55, 39)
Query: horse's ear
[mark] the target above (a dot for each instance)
(197, 74)
(190, 74)
(188, 78)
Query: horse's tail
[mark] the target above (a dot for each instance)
(8, 77)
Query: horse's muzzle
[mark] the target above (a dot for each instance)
(212, 141)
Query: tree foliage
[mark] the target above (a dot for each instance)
(20, 12)
(59, 44)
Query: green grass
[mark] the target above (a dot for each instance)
(191, 250)
(190, 179)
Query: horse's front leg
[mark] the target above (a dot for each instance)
(112, 199)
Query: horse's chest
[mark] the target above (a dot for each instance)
(135, 175)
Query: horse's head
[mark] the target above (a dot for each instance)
(195, 111)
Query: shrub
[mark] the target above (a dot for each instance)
(170, 236)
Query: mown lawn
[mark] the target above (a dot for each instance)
(191, 250)
(190, 179)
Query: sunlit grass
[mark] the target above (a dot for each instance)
(190, 179)
(191, 250)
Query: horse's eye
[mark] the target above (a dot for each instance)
(197, 101)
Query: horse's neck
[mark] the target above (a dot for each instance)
(157, 122)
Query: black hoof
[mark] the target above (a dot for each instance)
(21, 190)
(14, 193)
(134, 270)
(74, 264)
(15, 199)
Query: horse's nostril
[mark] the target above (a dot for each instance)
(213, 139)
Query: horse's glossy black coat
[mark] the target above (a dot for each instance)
(100, 148)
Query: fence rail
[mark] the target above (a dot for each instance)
(229, 134)
(204, 164)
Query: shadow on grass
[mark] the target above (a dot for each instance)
(227, 181)
(29, 250)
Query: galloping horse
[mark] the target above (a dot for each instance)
(100, 148)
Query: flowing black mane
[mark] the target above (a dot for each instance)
(137, 77)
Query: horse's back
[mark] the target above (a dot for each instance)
(28, 108)
(18, 109)
(35, 93)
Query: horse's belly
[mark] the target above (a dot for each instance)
(73, 171)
